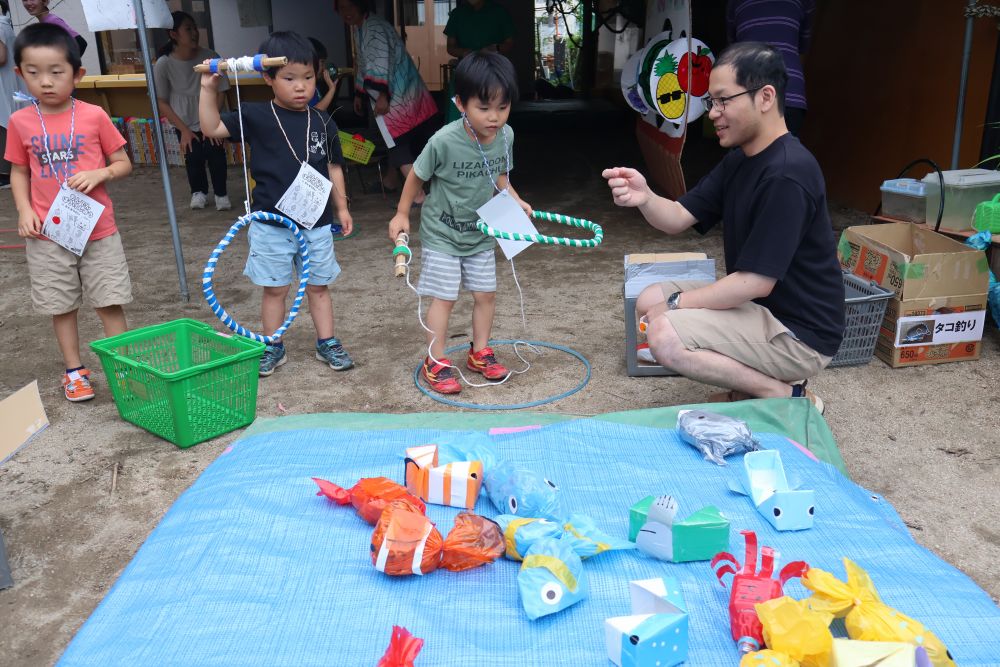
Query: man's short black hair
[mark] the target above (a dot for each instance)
(486, 76)
(47, 34)
(291, 45)
(318, 48)
(757, 65)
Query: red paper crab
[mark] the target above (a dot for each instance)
(750, 587)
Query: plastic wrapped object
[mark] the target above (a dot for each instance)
(370, 496)
(522, 492)
(579, 531)
(714, 435)
(405, 542)
(403, 649)
(551, 578)
(799, 632)
(865, 616)
(767, 658)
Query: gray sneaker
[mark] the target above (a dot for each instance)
(334, 354)
(274, 356)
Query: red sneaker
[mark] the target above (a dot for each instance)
(485, 362)
(77, 387)
(440, 376)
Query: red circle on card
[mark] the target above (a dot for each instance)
(56, 220)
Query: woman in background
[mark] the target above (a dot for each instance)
(387, 76)
(178, 87)
(40, 10)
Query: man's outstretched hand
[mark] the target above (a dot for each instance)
(628, 186)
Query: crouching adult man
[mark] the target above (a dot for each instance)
(777, 317)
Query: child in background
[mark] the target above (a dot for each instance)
(283, 134)
(325, 86)
(63, 142)
(467, 162)
(177, 90)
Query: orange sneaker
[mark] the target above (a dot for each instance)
(77, 387)
(440, 376)
(485, 362)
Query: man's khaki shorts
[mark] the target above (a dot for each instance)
(748, 333)
(60, 280)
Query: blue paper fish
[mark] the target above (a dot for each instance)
(467, 447)
(579, 531)
(551, 578)
(522, 492)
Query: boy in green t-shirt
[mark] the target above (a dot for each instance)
(467, 162)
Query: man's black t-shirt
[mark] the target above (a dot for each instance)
(775, 223)
(273, 167)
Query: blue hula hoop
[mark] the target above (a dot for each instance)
(208, 288)
(513, 406)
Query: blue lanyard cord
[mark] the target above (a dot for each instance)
(45, 136)
(486, 166)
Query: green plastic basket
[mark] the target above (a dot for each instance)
(182, 380)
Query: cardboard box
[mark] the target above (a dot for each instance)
(914, 262)
(931, 331)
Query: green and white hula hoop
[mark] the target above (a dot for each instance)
(550, 240)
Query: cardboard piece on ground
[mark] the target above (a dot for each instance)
(914, 262)
(934, 311)
(21, 417)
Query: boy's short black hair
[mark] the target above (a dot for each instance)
(318, 48)
(47, 34)
(757, 65)
(291, 45)
(486, 76)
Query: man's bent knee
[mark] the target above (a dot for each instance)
(663, 341)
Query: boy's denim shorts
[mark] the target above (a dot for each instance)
(274, 256)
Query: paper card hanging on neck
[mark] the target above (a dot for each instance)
(71, 219)
(380, 122)
(502, 212)
(306, 198)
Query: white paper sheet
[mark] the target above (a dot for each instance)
(306, 198)
(71, 219)
(503, 213)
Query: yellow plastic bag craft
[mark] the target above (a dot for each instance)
(866, 616)
(767, 658)
(799, 632)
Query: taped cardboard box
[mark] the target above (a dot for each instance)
(932, 331)
(914, 262)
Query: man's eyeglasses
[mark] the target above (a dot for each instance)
(720, 102)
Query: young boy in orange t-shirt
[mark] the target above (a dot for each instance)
(62, 142)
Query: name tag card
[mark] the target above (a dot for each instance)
(71, 219)
(306, 198)
(503, 213)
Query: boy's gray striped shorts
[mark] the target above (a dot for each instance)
(441, 274)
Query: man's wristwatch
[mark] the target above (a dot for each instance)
(674, 301)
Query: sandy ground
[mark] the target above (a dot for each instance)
(926, 438)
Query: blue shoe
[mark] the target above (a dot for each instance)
(274, 356)
(334, 354)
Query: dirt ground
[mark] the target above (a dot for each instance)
(927, 438)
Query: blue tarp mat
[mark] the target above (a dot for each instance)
(250, 567)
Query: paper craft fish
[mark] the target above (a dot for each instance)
(765, 483)
(453, 484)
(579, 531)
(657, 631)
(522, 492)
(551, 578)
(698, 537)
(369, 496)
